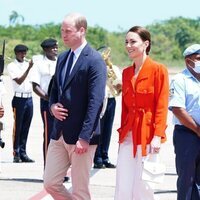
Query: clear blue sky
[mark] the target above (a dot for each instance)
(113, 15)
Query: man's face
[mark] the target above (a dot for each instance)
(190, 60)
(20, 55)
(71, 36)
(51, 52)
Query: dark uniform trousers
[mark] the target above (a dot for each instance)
(187, 150)
(101, 154)
(23, 113)
(47, 119)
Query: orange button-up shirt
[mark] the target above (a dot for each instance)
(144, 104)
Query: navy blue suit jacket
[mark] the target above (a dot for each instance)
(82, 94)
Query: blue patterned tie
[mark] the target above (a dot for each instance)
(69, 66)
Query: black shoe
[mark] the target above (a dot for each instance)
(99, 166)
(26, 159)
(17, 159)
(109, 165)
(66, 179)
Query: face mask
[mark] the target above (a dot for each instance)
(197, 67)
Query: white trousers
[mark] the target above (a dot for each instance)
(129, 183)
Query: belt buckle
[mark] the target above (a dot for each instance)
(22, 95)
(26, 95)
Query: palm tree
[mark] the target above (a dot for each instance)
(15, 18)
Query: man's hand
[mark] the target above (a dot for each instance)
(118, 88)
(1, 111)
(198, 130)
(59, 111)
(30, 64)
(81, 146)
(185, 119)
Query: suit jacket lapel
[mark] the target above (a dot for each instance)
(78, 65)
(76, 68)
(62, 65)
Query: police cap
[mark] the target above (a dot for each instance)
(49, 43)
(20, 48)
(193, 49)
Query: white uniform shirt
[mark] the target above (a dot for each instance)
(42, 71)
(185, 93)
(16, 70)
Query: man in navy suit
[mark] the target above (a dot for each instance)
(76, 101)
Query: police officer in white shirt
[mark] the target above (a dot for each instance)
(42, 73)
(21, 103)
(185, 105)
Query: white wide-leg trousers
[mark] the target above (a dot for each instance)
(129, 183)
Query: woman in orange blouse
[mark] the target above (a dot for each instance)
(145, 91)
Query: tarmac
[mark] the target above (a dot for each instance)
(23, 181)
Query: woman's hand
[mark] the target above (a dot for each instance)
(155, 144)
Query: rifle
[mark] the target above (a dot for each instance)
(2, 143)
(2, 59)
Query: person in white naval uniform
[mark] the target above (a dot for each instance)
(42, 73)
(22, 104)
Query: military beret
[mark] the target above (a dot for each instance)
(49, 43)
(193, 49)
(20, 48)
